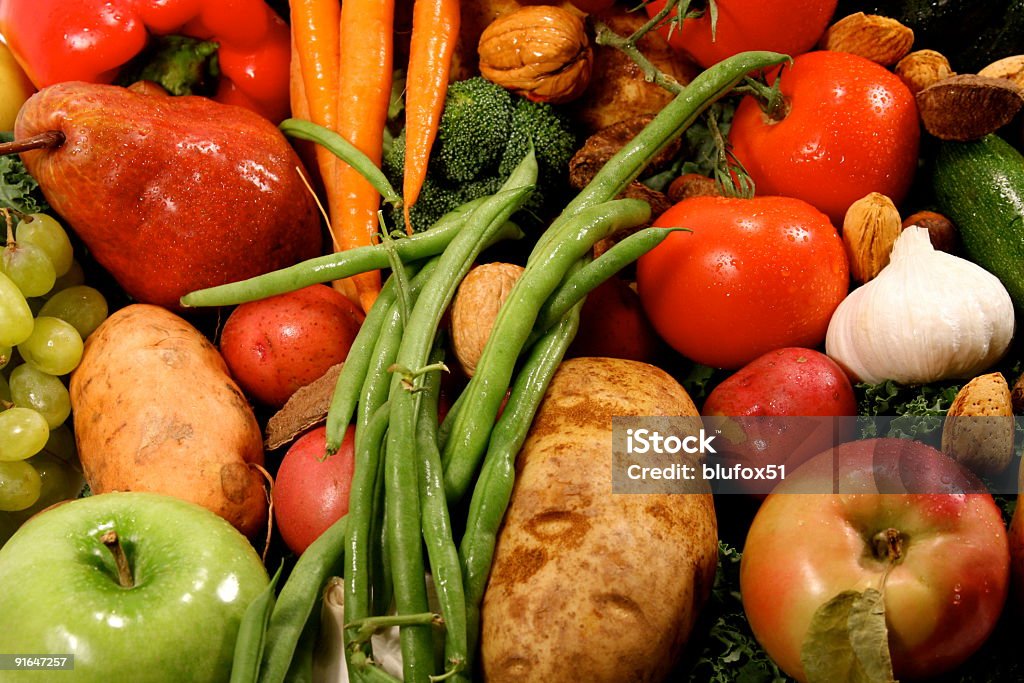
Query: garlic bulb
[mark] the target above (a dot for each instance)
(927, 316)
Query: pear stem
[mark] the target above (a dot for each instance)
(45, 140)
(124, 572)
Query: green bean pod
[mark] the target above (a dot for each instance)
(585, 280)
(445, 567)
(402, 507)
(361, 511)
(252, 634)
(344, 150)
(674, 118)
(467, 440)
(338, 265)
(493, 488)
(299, 595)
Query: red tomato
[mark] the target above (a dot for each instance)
(946, 554)
(851, 129)
(788, 26)
(753, 276)
(311, 491)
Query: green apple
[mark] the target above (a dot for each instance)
(138, 587)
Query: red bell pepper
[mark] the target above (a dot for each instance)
(90, 40)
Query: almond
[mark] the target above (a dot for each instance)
(870, 228)
(979, 427)
(475, 307)
(1008, 68)
(871, 36)
(922, 68)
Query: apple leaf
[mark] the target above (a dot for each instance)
(848, 640)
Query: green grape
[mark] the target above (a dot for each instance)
(15, 316)
(82, 306)
(74, 277)
(23, 433)
(20, 486)
(54, 346)
(47, 234)
(5, 355)
(59, 482)
(29, 268)
(41, 392)
(5, 392)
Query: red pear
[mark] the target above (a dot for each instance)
(170, 194)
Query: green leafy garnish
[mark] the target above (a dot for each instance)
(18, 189)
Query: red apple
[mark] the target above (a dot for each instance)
(276, 345)
(311, 490)
(944, 555)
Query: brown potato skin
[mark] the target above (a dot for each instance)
(587, 585)
(155, 410)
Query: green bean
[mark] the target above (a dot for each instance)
(493, 488)
(344, 150)
(301, 668)
(357, 365)
(252, 634)
(674, 118)
(437, 529)
(368, 672)
(338, 265)
(471, 428)
(402, 507)
(585, 280)
(320, 561)
(360, 513)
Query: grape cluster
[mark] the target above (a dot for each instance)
(45, 314)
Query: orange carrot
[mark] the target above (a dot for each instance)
(435, 30)
(364, 92)
(315, 42)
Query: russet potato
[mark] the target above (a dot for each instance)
(588, 585)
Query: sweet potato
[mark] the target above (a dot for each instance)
(588, 585)
(155, 410)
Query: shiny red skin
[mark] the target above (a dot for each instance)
(791, 27)
(789, 384)
(613, 325)
(311, 491)
(942, 600)
(851, 129)
(753, 276)
(276, 345)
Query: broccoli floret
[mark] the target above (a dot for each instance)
(553, 140)
(484, 133)
(474, 128)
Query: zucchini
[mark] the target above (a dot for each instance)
(979, 185)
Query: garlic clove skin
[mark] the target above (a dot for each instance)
(927, 316)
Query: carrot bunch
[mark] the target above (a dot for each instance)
(342, 58)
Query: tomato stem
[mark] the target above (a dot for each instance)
(773, 104)
(604, 35)
(124, 571)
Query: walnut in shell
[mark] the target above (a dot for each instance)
(476, 305)
(541, 52)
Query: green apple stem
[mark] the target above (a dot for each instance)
(45, 140)
(124, 571)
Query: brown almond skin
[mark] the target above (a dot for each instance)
(587, 585)
(171, 194)
(155, 410)
(978, 431)
(968, 107)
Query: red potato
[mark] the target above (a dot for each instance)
(793, 384)
(277, 345)
(311, 490)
